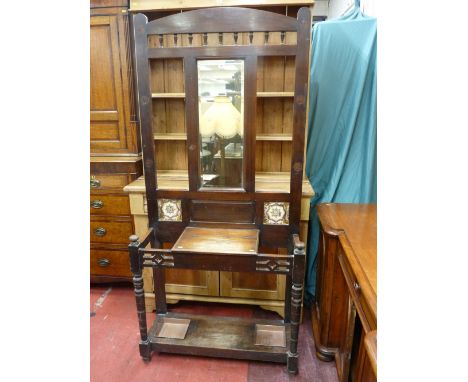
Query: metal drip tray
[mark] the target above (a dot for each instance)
(270, 335)
(173, 328)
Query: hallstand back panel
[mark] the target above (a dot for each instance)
(274, 50)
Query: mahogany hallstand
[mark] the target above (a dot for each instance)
(202, 239)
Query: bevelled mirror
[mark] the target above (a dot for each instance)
(221, 122)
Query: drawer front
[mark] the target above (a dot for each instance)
(104, 231)
(109, 205)
(110, 263)
(108, 181)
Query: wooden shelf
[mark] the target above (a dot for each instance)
(209, 336)
(274, 94)
(170, 137)
(168, 95)
(274, 137)
(260, 137)
(264, 182)
(259, 94)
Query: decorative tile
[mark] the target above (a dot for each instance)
(276, 213)
(169, 210)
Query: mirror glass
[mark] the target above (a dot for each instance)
(221, 122)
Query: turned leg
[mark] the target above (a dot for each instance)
(145, 346)
(296, 301)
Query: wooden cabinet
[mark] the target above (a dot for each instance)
(114, 140)
(242, 288)
(113, 127)
(344, 316)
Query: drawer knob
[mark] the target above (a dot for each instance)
(100, 231)
(97, 204)
(95, 183)
(103, 262)
(356, 286)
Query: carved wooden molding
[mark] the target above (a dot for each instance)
(273, 265)
(158, 259)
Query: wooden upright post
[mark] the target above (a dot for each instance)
(296, 302)
(135, 264)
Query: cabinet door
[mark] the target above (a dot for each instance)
(107, 120)
(261, 286)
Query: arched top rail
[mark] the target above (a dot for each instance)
(223, 19)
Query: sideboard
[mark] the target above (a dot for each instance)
(265, 290)
(344, 315)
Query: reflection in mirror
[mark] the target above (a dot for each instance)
(221, 122)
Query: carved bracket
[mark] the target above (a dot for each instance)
(158, 259)
(273, 265)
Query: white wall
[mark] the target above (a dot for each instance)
(337, 8)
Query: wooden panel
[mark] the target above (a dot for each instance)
(171, 155)
(179, 277)
(168, 116)
(116, 230)
(203, 283)
(217, 240)
(103, 46)
(108, 130)
(186, 281)
(253, 285)
(369, 366)
(110, 262)
(105, 131)
(109, 205)
(267, 156)
(232, 212)
(274, 115)
(108, 3)
(166, 75)
(223, 51)
(248, 285)
(222, 19)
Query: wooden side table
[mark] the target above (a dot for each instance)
(344, 316)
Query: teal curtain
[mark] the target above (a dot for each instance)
(341, 144)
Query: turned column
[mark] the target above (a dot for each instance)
(135, 264)
(296, 302)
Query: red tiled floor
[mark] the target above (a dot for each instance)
(115, 357)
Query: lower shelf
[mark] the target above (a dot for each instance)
(224, 337)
